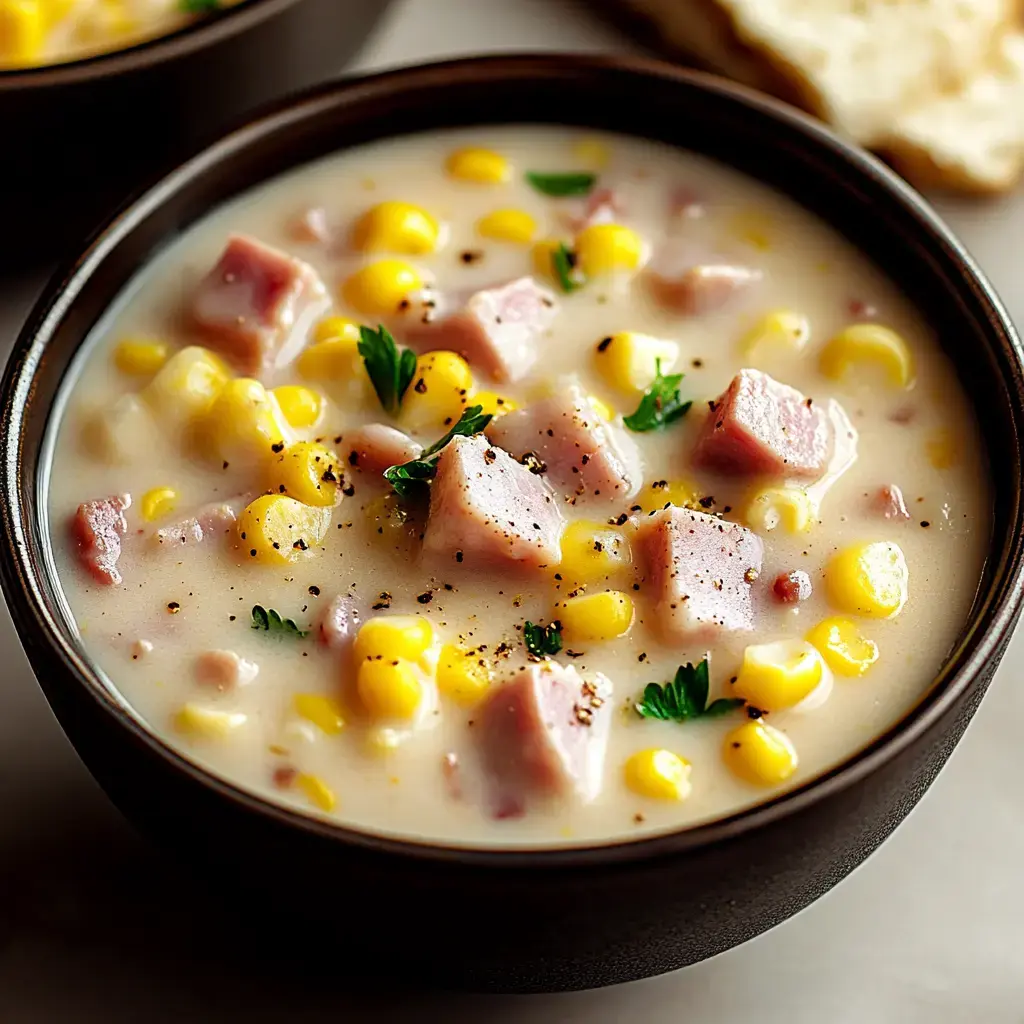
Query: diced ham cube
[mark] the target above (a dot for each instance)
(544, 733)
(760, 427)
(691, 283)
(97, 528)
(340, 622)
(497, 331)
(224, 670)
(487, 509)
(602, 206)
(583, 454)
(213, 520)
(376, 446)
(890, 503)
(250, 304)
(312, 226)
(700, 570)
(792, 587)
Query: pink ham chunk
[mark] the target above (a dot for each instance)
(582, 453)
(602, 206)
(760, 427)
(702, 288)
(97, 529)
(340, 622)
(488, 510)
(211, 521)
(251, 303)
(889, 502)
(544, 733)
(699, 573)
(376, 446)
(497, 331)
(224, 670)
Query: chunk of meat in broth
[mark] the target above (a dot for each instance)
(688, 283)
(376, 446)
(888, 501)
(224, 670)
(211, 521)
(97, 528)
(339, 623)
(603, 206)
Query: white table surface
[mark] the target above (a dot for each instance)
(930, 930)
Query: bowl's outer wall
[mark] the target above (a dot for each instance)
(78, 141)
(545, 921)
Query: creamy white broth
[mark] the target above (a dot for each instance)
(807, 268)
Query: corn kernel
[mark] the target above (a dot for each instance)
(382, 286)
(780, 330)
(333, 328)
(187, 385)
(759, 753)
(309, 472)
(592, 152)
(22, 32)
(606, 248)
(660, 493)
(659, 774)
(277, 529)
(394, 636)
(753, 227)
(592, 551)
(942, 448)
(245, 421)
(389, 687)
(205, 723)
(438, 391)
(461, 674)
(543, 255)
(869, 579)
(869, 343)
(630, 361)
(779, 675)
(324, 712)
(396, 227)
(603, 616)
(299, 405)
(788, 507)
(483, 166)
(158, 502)
(336, 360)
(140, 358)
(317, 791)
(516, 226)
(845, 649)
(602, 408)
(493, 404)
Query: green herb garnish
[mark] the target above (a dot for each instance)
(271, 622)
(575, 183)
(390, 371)
(563, 261)
(684, 697)
(542, 641)
(199, 6)
(660, 406)
(410, 478)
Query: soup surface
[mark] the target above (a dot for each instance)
(599, 612)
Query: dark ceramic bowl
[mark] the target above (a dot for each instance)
(81, 136)
(548, 919)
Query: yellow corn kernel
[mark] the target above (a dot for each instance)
(543, 253)
(299, 405)
(592, 152)
(595, 616)
(389, 687)
(22, 32)
(309, 472)
(337, 360)
(277, 529)
(205, 723)
(606, 248)
(781, 329)
(324, 712)
(753, 227)
(788, 507)
(158, 502)
(492, 403)
(516, 226)
(592, 551)
(381, 287)
(659, 774)
(438, 392)
(317, 791)
(779, 675)
(140, 358)
(332, 328)
(759, 753)
(660, 493)
(629, 361)
(869, 579)
(245, 421)
(396, 227)
(602, 408)
(394, 636)
(869, 343)
(942, 448)
(187, 385)
(462, 674)
(845, 649)
(483, 166)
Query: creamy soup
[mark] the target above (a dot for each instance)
(36, 32)
(598, 611)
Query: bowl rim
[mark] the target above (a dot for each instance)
(983, 636)
(146, 52)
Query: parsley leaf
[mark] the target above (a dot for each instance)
(542, 641)
(271, 622)
(390, 371)
(409, 479)
(684, 697)
(660, 406)
(575, 183)
(563, 261)
(199, 6)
